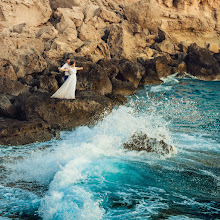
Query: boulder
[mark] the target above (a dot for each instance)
(142, 142)
(202, 64)
(157, 68)
(108, 16)
(167, 46)
(18, 28)
(182, 67)
(151, 78)
(12, 87)
(7, 109)
(120, 87)
(143, 13)
(88, 32)
(47, 32)
(90, 11)
(29, 61)
(7, 70)
(99, 81)
(131, 72)
(69, 18)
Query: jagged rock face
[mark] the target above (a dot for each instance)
(201, 62)
(141, 142)
(192, 21)
(101, 29)
(30, 12)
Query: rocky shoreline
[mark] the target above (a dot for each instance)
(119, 47)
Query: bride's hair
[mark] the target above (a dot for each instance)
(72, 62)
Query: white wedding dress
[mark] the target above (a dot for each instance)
(67, 90)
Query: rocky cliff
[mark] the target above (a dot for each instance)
(121, 44)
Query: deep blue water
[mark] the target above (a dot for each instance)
(89, 175)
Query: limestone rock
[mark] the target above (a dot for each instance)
(7, 109)
(7, 70)
(151, 78)
(15, 132)
(83, 110)
(142, 142)
(131, 72)
(30, 61)
(88, 32)
(48, 83)
(48, 32)
(108, 16)
(100, 82)
(214, 47)
(202, 64)
(167, 47)
(66, 3)
(19, 28)
(122, 87)
(68, 18)
(143, 13)
(90, 11)
(31, 12)
(12, 87)
(182, 67)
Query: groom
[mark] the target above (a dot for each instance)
(66, 66)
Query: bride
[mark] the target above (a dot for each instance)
(67, 90)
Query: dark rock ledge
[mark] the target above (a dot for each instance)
(41, 118)
(28, 114)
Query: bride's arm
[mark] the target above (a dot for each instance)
(79, 68)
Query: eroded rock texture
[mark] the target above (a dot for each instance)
(142, 142)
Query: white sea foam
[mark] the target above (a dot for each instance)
(68, 164)
(160, 88)
(68, 167)
(15, 201)
(182, 217)
(170, 78)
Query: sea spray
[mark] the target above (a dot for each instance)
(89, 175)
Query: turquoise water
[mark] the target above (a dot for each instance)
(89, 175)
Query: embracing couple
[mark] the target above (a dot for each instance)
(67, 90)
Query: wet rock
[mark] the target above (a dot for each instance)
(63, 113)
(202, 64)
(182, 67)
(15, 132)
(141, 142)
(155, 69)
(120, 87)
(151, 78)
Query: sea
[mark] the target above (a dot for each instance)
(88, 174)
